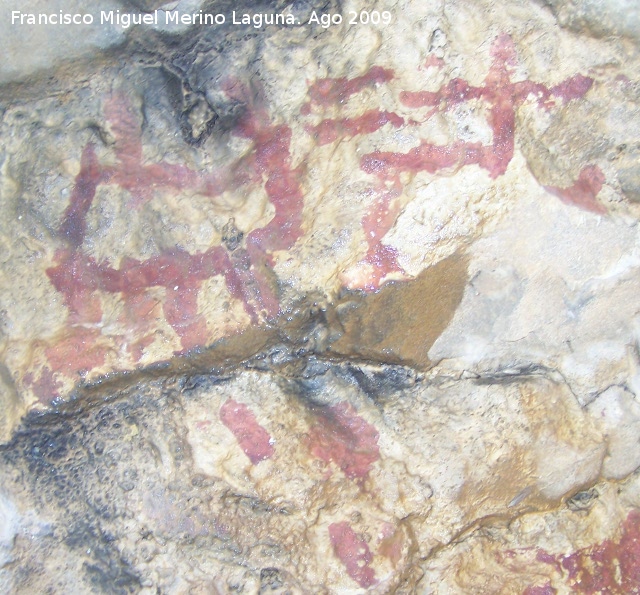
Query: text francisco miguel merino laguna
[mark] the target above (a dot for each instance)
(169, 17)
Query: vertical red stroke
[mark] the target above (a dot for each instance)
(353, 552)
(253, 439)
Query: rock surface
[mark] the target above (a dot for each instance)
(322, 308)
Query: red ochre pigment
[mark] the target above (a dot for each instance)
(330, 91)
(330, 130)
(502, 97)
(378, 220)
(500, 94)
(608, 567)
(584, 191)
(45, 387)
(80, 278)
(253, 439)
(353, 552)
(343, 437)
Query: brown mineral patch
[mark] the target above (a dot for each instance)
(230, 350)
(551, 409)
(401, 321)
(507, 490)
(516, 482)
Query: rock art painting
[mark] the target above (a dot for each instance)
(79, 277)
(608, 566)
(251, 436)
(246, 265)
(347, 440)
(353, 553)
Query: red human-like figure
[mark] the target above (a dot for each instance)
(246, 268)
(81, 279)
(498, 92)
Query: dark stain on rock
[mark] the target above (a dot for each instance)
(231, 235)
(307, 381)
(92, 468)
(400, 322)
(379, 384)
(60, 467)
(111, 476)
(629, 179)
(583, 500)
(270, 580)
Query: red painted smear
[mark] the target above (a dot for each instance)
(380, 260)
(623, 81)
(180, 273)
(74, 223)
(330, 130)
(139, 316)
(584, 191)
(330, 91)
(426, 157)
(271, 159)
(249, 283)
(381, 217)
(171, 268)
(454, 92)
(46, 387)
(77, 351)
(433, 61)
(503, 50)
(608, 567)
(81, 279)
(376, 223)
(345, 438)
(543, 556)
(132, 174)
(75, 278)
(574, 87)
(502, 96)
(137, 348)
(384, 260)
(253, 439)
(353, 552)
(181, 312)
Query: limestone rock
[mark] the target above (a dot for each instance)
(331, 476)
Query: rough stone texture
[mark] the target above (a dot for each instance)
(304, 309)
(373, 467)
(31, 49)
(599, 17)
